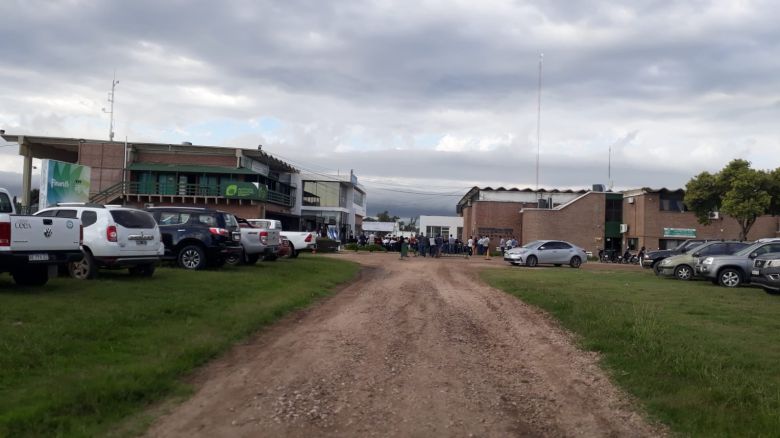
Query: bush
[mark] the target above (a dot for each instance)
(369, 248)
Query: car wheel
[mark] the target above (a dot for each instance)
(771, 291)
(575, 262)
(146, 270)
(657, 268)
(531, 261)
(683, 272)
(729, 278)
(235, 259)
(251, 259)
(192, 257)
(31, 276)
(84, 269)
(293, 251)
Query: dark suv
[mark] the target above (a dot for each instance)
(197, 237)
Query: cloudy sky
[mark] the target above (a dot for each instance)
(422, 96)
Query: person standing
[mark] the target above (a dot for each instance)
(486, 244)
(501, 244)
(421, 244)
(470, 246)
(451, 245)
(404, 247)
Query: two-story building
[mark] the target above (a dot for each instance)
(333, 201)
(246, 182)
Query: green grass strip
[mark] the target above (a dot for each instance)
(78, 357)
(703, 359)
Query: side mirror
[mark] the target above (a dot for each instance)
(753, 255)
(542, 248)
(696, 255)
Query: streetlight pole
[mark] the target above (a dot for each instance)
(539, 121)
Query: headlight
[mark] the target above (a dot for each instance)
(775, 263)
(666, 262)
(707, 261)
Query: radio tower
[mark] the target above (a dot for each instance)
(110, 112)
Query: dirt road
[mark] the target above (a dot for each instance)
(413, 348)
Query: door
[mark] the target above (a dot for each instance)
(209, 185)
(167, 183)
(563, 252)
(547, 253)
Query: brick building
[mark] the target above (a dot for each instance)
(142, 174)
(593, 220)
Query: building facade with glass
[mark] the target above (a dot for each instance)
(333, 204)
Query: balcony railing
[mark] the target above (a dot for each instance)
(138, 188)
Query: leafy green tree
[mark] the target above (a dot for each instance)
(737, 191)
(385, 217)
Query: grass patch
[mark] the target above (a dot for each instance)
(78, 357)
(703, 359)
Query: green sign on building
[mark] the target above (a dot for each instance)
(680, 232)
(245, 190)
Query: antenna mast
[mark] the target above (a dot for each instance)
(539, 120)
(110, 112)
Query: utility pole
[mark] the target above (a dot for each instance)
(539, 121)
(609, 168)
(110, 112)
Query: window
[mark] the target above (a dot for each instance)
(323, 194)
(633, 243)
(173, 218)
(133, 218)
(562, 245)
(5, 204)
(358, 198)
(88, 218)
(47, 213)
(772, 247)
(230, 221)
(736, 247)
(208, 220)
(70, 214)
(672, 201)
(614, 210)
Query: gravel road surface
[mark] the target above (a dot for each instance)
(419, 347)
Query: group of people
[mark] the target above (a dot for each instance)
(436, 246)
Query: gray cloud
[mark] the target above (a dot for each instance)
(386, 88)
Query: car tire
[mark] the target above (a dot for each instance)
(683, 272)
(84, 269)
(31, 276)
(293, 251)
(575, 262)
(146, 270)
(771, 291)
(657, 268)
(235, 259)
(191, 257)
(251, 259)
(729, 278)
(531, 261)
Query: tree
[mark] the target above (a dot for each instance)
(737, 191)
(385, 217)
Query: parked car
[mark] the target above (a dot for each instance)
(256, 242)
(32, 248)
(114, 237)
(197, 237)
(299, 240)
(681, 266)
(651, 258)
(734, 270)
(766, 272)
(553, 252)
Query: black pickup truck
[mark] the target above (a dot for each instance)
(651, 258)
(197, 237)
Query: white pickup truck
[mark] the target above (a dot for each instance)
(31, 247)
(299, 240)
(256, 241)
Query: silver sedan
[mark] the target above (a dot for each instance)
(550, 252)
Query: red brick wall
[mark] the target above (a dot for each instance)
(182, 158)
(647, 222)
(581, 223)
(484, 215)
(106, 161)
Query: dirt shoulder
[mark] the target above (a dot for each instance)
(413, 348)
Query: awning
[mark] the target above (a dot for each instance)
(190, 168)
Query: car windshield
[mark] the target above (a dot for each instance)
(5, 204)
(531, 245)
(230, 221)
(699, 247)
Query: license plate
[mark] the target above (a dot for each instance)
(754, 272)
(140, 242)
(38, 257)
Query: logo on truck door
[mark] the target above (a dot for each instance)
(48, 232)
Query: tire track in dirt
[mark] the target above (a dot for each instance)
(412, 348)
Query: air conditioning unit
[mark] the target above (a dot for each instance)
(714, 215)
(623, 228)
(631, 200)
